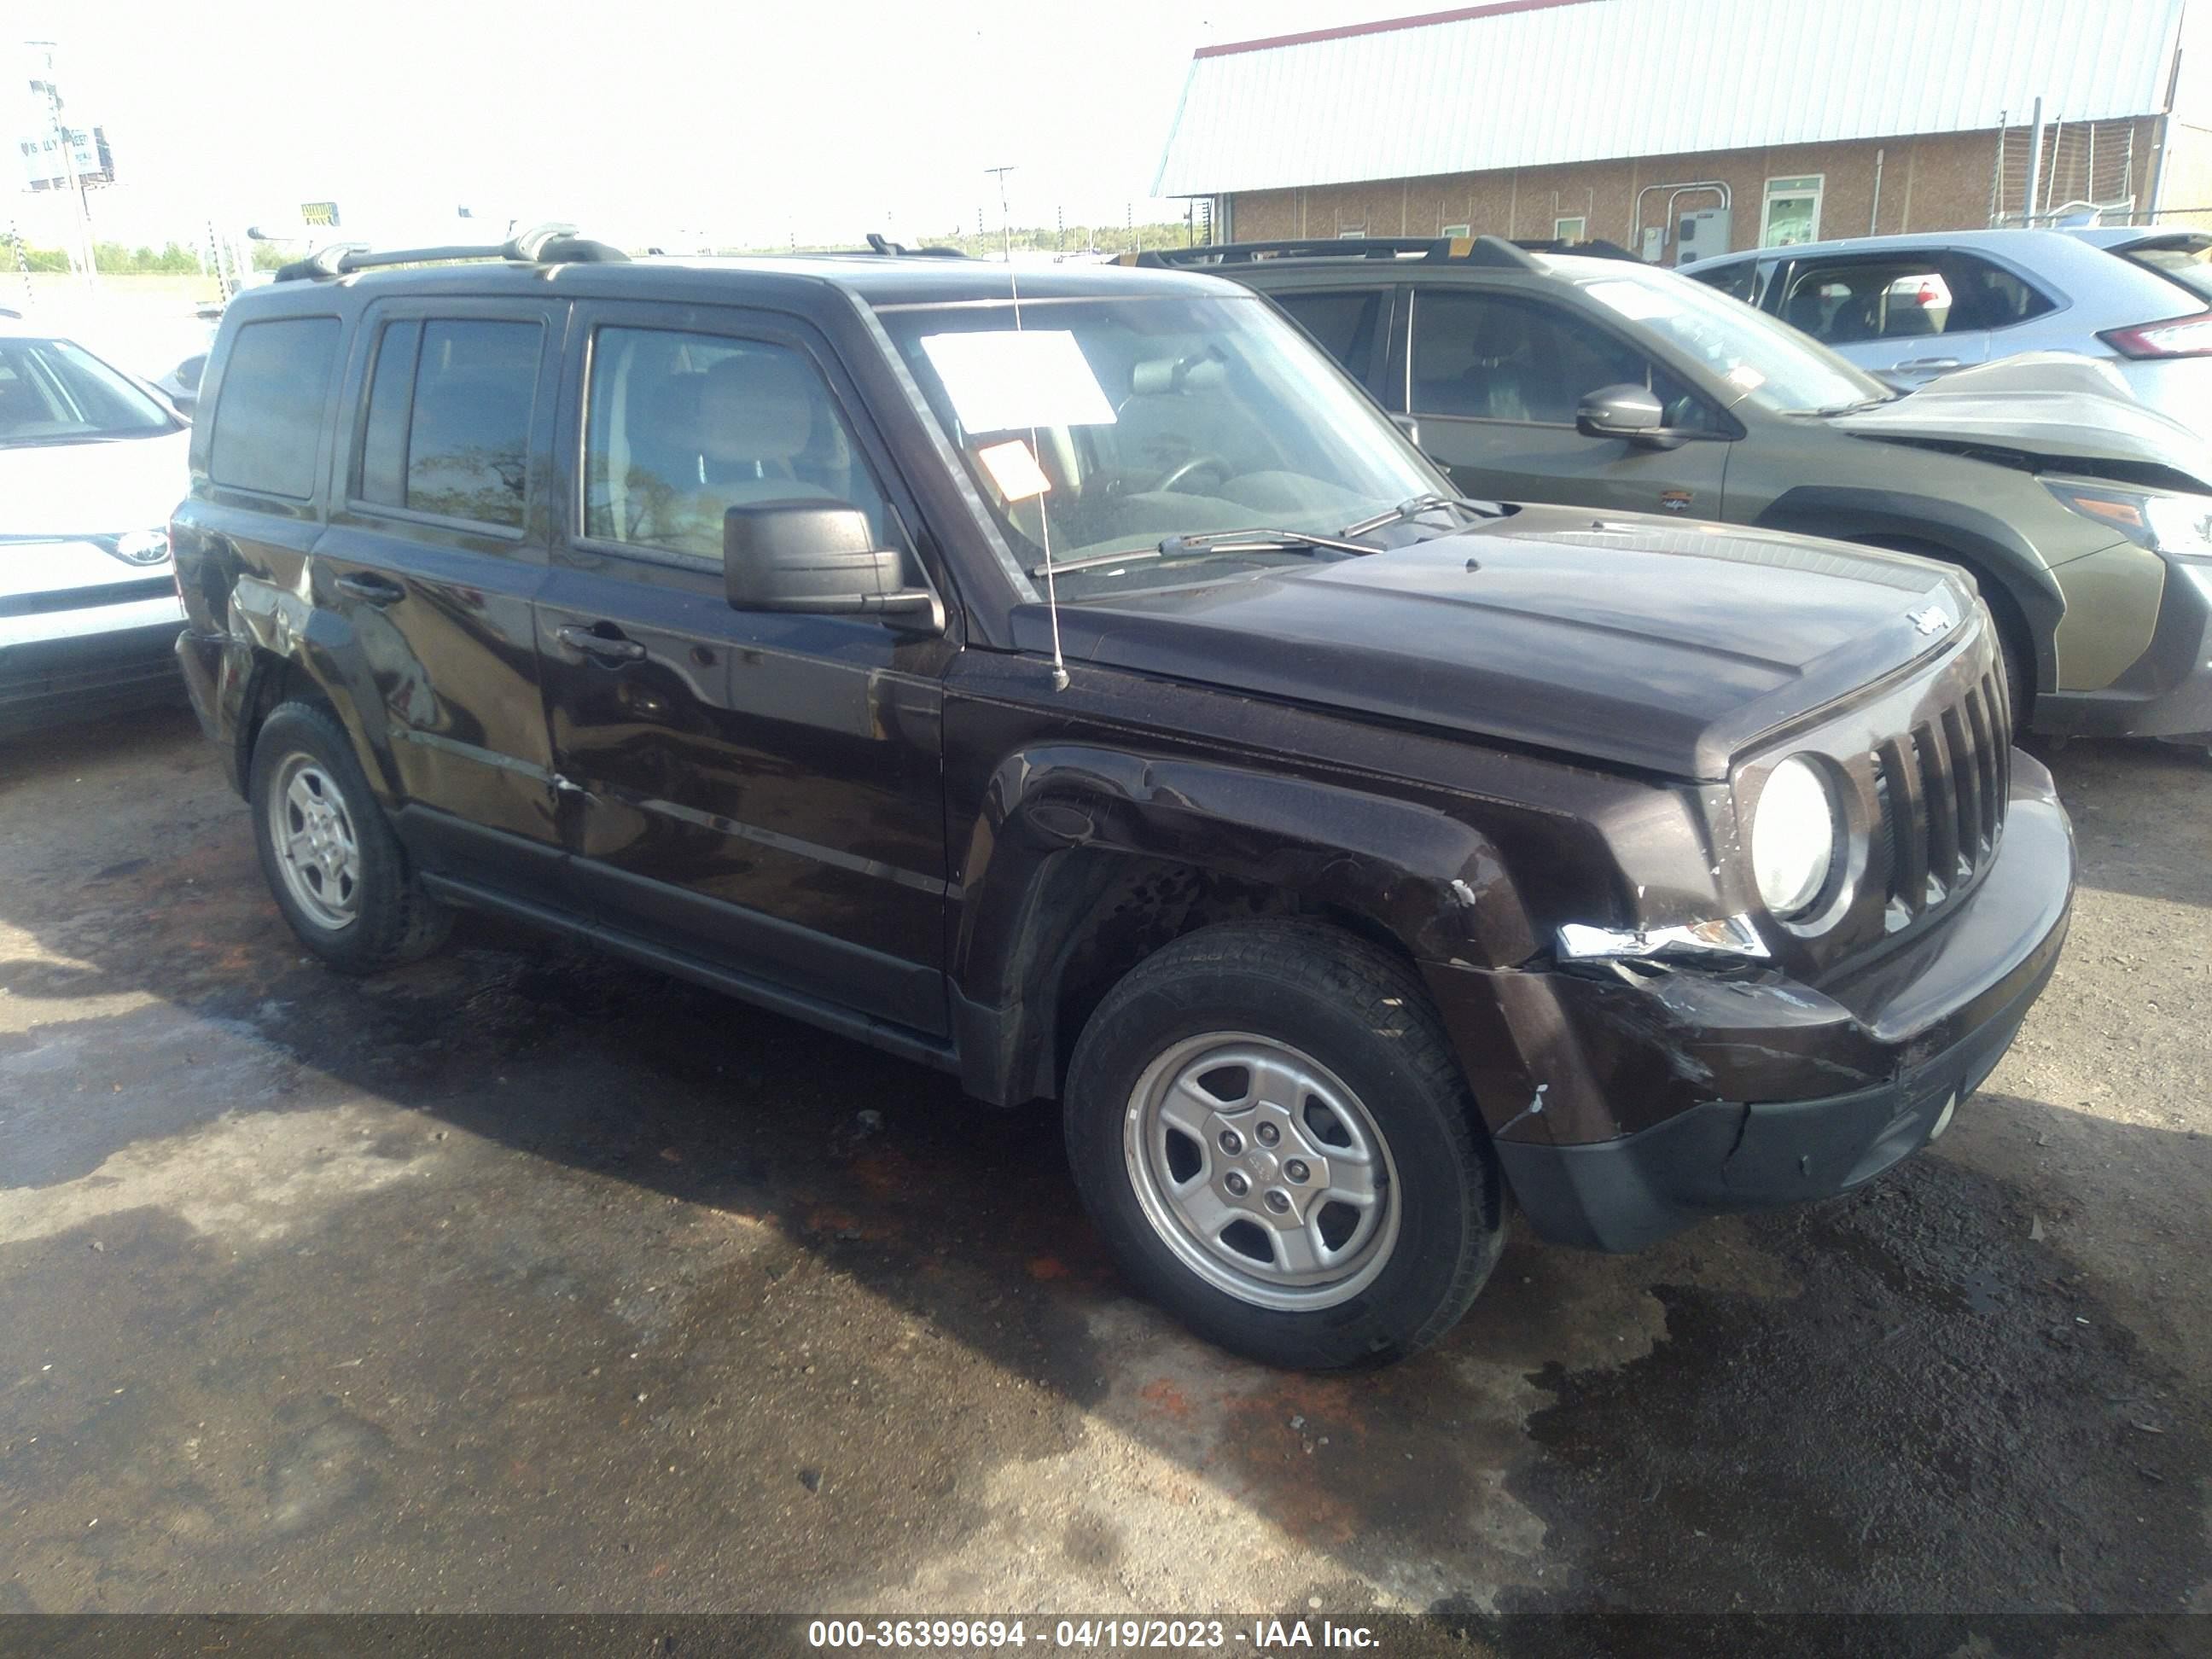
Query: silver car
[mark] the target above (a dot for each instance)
(1913, 308)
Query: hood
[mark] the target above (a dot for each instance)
(2054, 405)
(1637, 641)
(93, 489)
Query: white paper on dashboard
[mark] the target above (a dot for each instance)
(1003, 379)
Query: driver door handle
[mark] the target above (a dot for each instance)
(1928, 365)
(376, 590)
(606, 647)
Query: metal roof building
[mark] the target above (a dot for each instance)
(1462, 98)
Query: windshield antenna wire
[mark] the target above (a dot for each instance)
(1044, 513)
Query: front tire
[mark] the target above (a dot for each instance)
(336, 871)
(1269, 1127)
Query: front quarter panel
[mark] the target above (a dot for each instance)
(1108, 816)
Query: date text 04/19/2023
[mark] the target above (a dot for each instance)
(1201, 1635)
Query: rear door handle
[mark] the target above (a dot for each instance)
(377, 590)
(1928, 365)
(606, 647)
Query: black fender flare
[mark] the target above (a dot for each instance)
(1064, 827)
(1993, 551)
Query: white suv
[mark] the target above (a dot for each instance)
(1914, 308)
(91, 463)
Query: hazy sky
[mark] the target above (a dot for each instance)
(821, 119)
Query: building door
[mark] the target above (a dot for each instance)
(1792, 214)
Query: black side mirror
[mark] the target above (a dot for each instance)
(818, 556)
(1622, 411)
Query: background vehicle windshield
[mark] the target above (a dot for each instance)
(1150, 417)
(1766, 361)
(55, 391)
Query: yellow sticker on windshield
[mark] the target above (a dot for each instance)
(1014, 470)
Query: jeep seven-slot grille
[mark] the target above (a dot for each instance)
(1942, 789)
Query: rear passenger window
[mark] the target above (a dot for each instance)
(1344, 324)
(1848, 302)
(269, 413)
(449, 426)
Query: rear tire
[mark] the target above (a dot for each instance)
(1311, 1068)
(336, 871)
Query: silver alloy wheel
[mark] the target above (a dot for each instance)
(316, 849)
(1261, 1171)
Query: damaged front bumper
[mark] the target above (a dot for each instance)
(2168, 692)
(1624, 1107)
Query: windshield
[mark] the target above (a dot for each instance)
(1767, 362)
(1115, 424)
(2187, 261)
(55, 391)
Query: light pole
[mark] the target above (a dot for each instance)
(1006, 227)
(80, 219)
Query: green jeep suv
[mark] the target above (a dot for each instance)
(1591, 379)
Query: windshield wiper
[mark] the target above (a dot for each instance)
(1853, 409)
(1211, 541)
(1416, 506)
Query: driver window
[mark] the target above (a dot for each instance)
(1499, 357)
(680, 427)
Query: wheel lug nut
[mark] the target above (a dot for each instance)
(1297, 1170)
(1279, 1201)
(1231, 1142)
(1269, 1133)
(1236, 1184)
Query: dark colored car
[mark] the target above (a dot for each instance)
(1098, 699)
(2085, 518)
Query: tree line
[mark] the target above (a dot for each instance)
(118, 259)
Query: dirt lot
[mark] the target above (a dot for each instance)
(523, 1280)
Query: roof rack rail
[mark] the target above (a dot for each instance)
(1595, 248)
(891, 250)
(1467, 249)
(1238, 253)
(1494, 250)
(541, 245)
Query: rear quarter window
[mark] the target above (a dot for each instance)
(1737, 281)
(269, 414)
(1345, 324)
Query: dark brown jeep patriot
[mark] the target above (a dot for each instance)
(1089, 692)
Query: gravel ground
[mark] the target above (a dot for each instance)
(523, 1279)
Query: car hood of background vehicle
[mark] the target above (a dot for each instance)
(2055, 405)
(1628, 640)
(91, 488)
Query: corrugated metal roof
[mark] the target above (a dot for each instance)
(1537, 82)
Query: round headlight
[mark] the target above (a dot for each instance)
(1793, 837)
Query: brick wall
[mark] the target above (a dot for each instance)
(1941, 182)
